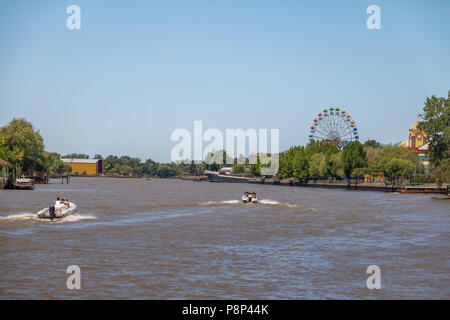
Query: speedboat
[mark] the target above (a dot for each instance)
(59, 214)
(249, 197)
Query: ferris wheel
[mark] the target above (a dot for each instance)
(336, 126)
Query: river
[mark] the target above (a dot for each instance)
(174, 239)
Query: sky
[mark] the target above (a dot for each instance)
(138, 70)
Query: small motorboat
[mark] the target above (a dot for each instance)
(249, 197)
(24, 184)
(59, 214)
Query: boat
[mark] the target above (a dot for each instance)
(64, 212)
(24, 184)
(249, 197)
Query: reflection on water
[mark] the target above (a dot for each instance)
(168, 239)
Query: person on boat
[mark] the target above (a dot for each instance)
(58, 206)
(52, 209)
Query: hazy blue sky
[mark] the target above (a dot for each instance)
(137, 70)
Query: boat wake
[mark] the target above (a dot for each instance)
(260, 202)
(276, 203)
(17, 217)
(33, 217)
(220, 203)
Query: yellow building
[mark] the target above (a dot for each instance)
(85, 166)
(417, 142)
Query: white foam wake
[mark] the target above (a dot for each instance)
(218, 203)
(267, 201)
(15, 217)
(33, 217)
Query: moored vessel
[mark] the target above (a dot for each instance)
(24, 184)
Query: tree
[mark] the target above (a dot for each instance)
(14, 156)
(441, 173)
(98, 156)
(300, 165)
(238, 168)
(335, 166)
(354, 156)
(372, 144)
(358, 173)
(381, 156)
(255, 169)
(317, 166)
(435, 122)
(54, 163)
(166, 171)
(24, 144)
(396, 168)
(77, 156)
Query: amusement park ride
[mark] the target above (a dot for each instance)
(336, 126)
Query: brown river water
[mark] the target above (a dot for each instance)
(173, 239)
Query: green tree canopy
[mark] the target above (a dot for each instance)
(335, 166)
(23, 146)
(435, 122)
(317, 166)
(354, 156)
(396, 168)
(77, 156)
(378, 158)
(166, 171)
(441, 173)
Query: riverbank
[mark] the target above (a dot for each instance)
(374, 186)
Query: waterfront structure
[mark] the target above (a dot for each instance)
(417, 142)
(85, 166)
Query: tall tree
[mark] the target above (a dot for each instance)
(20, 137)
(354, 156)
(317, 166)
(335, 166)
(435, 122)
(300, 164)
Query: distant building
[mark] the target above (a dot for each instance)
(85, 166)
(417, 142)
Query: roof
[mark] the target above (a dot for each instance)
(4, 162)
(65, 160)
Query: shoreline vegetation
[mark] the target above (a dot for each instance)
(317, 163)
